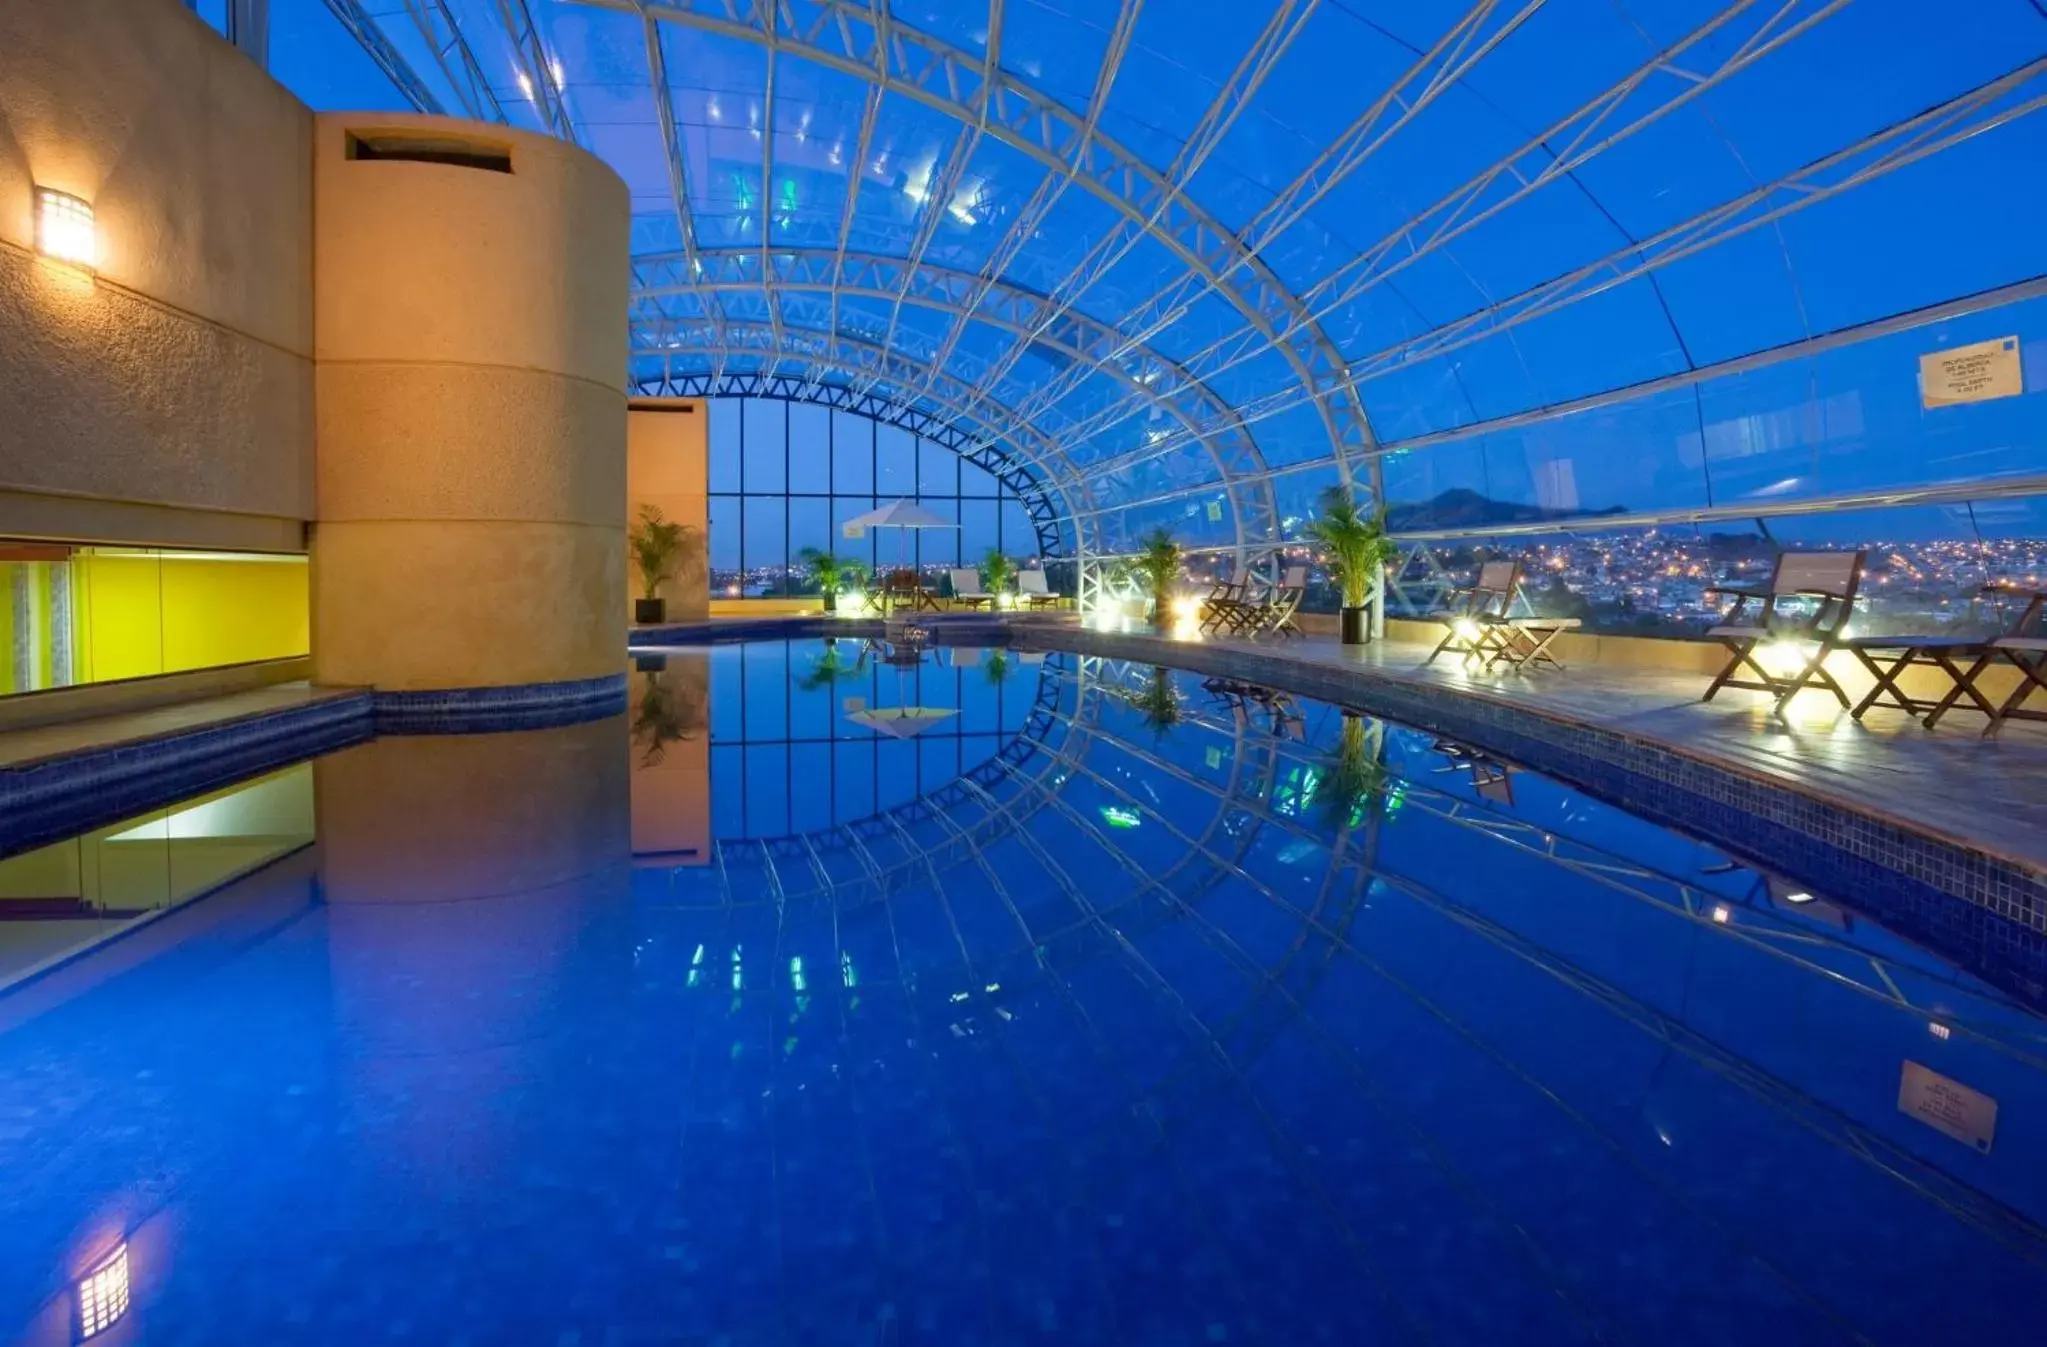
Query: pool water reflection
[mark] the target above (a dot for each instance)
(1159, 1011)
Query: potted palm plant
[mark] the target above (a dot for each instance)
(657, 544)
(1357, 550)
(999, 571)
(833, 575)
(1158, 566)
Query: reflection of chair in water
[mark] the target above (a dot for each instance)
(1491, 778)
(1284, 716)
(904, 654)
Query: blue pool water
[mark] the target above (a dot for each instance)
(828, 1000)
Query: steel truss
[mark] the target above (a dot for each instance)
(1548, 157)
(1984, 108)
(971, 297)
(867, 43)
(356, 21)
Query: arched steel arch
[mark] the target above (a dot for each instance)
(1050, 502)
(870, 44)
(1025, 314)
(871, 364)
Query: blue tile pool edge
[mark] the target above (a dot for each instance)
(492, 710)
(54, 798)
(1983, 909)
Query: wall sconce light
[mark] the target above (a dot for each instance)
(64, 229)
(103, 1294)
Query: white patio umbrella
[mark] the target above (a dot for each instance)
(901, 722)
(899, 514)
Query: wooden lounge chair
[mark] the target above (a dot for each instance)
(1476, 617)
(1031, 587)
(966, 588)
(1274, 614)
(1827, 581)
(2023, 647)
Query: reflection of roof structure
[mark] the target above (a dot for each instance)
(1189, 264)
(1283, 936)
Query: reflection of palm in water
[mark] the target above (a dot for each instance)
(1158, 703)
(830, 667)
(670, 707)
(1354, 781)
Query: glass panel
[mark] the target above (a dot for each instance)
(810, 448)
(724, 444)
(95, 614)
(938, 470)
(724, 547)
(852, 454)
(766, 556)
(763, 453)
(895, 462)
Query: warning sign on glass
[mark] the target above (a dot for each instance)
(1948, 1106)
(1977, 372)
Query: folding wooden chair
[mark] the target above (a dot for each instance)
(1220, 604)
(1476, 618)
(1827, 581)
(2024, 648)
(1275, 614)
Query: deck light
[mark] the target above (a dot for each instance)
(103, 1294)
(64, 229)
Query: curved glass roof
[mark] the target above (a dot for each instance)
(1189, 263)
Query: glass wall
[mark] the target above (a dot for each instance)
(1926, 566)
(788, 475)
(74, 614)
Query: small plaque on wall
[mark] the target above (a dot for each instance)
(1949, 1106)
(1977, 372)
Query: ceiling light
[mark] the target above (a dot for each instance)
(64, 228)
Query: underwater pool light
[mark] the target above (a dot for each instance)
(1117, 817)
(103, 1294)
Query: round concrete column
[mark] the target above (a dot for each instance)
(470, 337)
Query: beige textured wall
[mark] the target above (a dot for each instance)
(471, 344)
(180, 374)
(667, 466)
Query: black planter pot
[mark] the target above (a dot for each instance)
(831, 601)
(1357, 627)
(645, 662)
(650, 612)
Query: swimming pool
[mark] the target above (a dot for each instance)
(852, 995)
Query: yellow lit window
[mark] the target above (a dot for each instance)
(103, 1295)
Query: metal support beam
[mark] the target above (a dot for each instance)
(355, 20)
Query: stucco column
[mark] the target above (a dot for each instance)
(470, 345)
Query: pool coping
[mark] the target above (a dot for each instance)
(67, 791)
(1907, 874)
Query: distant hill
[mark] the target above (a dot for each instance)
(1463, 508)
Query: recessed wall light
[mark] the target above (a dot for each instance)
(64, 228)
